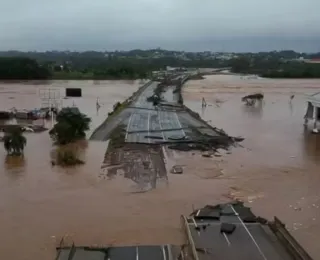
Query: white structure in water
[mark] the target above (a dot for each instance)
(313, 111)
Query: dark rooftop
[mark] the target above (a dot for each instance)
(232, 231)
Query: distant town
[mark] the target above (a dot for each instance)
(161, 53)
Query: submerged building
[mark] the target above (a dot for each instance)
(313, 111)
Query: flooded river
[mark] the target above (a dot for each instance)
(276, 172)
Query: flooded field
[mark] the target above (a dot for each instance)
(276, 171)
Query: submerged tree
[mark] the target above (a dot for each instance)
(68, 156)
(71, 126)
(14, 142)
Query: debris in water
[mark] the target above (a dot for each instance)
(251, 99)
(177, 138)
(227, 228)
(205, 143)
(238, 139)
(207, 155)
(177, 169)
(202, 250)
(154, 137)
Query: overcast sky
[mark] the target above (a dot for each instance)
(216, 25)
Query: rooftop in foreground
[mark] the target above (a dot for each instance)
(160, 252)
(221, 232)
(231, 231)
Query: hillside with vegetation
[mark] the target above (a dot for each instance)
(137, 64)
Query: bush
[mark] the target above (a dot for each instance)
(117, 137)
(71, 126)
(116, 106)
(154, 99)
(68, 157)
(14, 142)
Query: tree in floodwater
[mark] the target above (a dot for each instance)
(71, 126)
(14, 142)
(68, 156)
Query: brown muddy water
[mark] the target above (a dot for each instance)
(276, 172)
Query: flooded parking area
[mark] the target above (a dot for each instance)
(276, 171)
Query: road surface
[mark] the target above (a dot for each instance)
(147, 122)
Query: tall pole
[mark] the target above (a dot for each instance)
(51, 112)
(52, 117)
(315, 115)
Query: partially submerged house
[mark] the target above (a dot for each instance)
(313, 111)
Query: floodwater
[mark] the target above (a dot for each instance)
(276, 172)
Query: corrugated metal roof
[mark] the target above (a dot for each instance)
(316, 95)
(160, 252)
(231, 231)
(314, 99)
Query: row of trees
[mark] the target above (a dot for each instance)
(124, 72)
(71, 126)
(275, 68)
(17, 68)
(95, 67)
(82, 67)
(22, 68)
(123, 68)
(294, 70)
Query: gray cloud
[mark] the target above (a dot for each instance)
(224, 25)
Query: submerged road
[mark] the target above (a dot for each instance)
(147, 121)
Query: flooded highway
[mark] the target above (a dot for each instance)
(276, 172)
